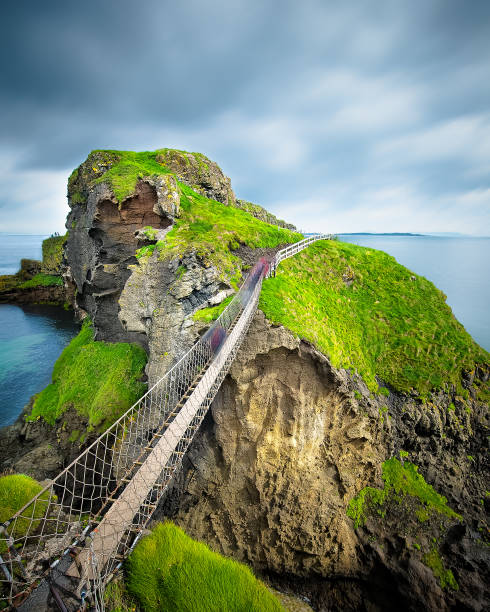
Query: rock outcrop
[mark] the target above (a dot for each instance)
(30, 285)
(149, 298)
(158, 301)
(263, 214)
(291, 441)
(200, 173)
(102, 244)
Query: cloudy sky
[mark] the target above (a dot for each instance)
(338, 116)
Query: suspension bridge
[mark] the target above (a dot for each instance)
(64, 546)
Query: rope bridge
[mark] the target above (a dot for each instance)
(70, 539)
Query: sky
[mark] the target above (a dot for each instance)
(337, 116)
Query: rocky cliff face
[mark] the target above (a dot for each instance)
(149, 300)
(102, 243)
(292, 440)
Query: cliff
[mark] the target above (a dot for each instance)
(345, 455)
(292, 441)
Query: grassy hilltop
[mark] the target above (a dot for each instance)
(370, 314)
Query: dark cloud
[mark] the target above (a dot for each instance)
(370, 115)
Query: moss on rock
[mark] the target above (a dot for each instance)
(400, 479)
(169, 571)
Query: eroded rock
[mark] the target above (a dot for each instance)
(291, 441)
(200, 173)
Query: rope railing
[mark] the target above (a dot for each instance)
(72, 536)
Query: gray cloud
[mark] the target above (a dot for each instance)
(341, 116)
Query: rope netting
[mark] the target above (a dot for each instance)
(68, 541)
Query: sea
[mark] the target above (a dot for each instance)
(32, 337)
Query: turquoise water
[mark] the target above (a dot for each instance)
(31, 337)
(457, 266)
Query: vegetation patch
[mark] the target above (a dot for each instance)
(207, 315)
(9, 281)
(372, 315)
(150, 232)
(400, 479)
(15, 491)
(100, 380)
(169, 571)
(145, 251)
(446, 578)
(128, 167)
(213, 230)
(42, 280)
(53, 254)
(261, 213)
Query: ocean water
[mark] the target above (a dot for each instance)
(31, 337)
(460, 267)
(14, 247)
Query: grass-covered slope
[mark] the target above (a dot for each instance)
(98, 379)
(372, 315)
(53, 254)
(214, 230)
(169, 571)
(15, 491)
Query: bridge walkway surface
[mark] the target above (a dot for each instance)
(65, 545)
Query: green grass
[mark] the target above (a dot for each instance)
(117, 598)
(400, 480)
(15, 491)
(207, 315)
(145, 251)
(42, 280)
(214, 230)
(53, 254)
(169, 571)
(446, 578)
(363, 310)
(98, 379)
(128, 169)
